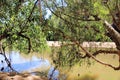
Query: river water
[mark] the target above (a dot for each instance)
(20, 63)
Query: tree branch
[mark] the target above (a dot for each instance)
(90, 55)
(113, 34)
(96, 17)
(40, 10)
(29, 42)
(102, 52)
(66, 21)
(28, 18)
(101, 62)
(6, 59)
(3, 36)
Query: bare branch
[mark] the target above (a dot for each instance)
(105, 52)
(102, 52)
(101, 62)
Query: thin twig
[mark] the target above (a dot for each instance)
(23, 26)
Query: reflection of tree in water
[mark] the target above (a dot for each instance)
(26, 64)
(6, 61)
(53, 74)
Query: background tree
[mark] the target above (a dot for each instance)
(20, 25)
(79, 20)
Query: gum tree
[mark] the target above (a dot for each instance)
(24, 27)
(75, 21)
(20, 27)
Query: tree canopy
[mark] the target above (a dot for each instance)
(20, 25)
(77, 21)
(23, 26)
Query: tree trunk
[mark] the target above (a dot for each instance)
(113, 34)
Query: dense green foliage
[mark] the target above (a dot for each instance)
(20, 25)
(23, 25)
(78, 21)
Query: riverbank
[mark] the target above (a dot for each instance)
(20, 76)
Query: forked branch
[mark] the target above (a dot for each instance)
(29, 41)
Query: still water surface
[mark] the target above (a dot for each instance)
(26, 63)
(20, 63)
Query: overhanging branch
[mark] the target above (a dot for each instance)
(88, 54)
(101, 62)
(29, 41)
(102, 52)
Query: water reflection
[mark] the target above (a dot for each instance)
(53, 74)
(29, 65)
(19, 63)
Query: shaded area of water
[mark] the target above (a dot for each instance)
(53, 75)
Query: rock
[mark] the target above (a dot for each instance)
(33, 77)
(17, 77)
(7, 76)
(4, 76)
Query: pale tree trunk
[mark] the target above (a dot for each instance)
(113, 34)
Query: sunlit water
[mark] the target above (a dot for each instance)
(21, 64)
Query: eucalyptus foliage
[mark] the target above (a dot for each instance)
(20, 26)
(76, 21)
(23, 26)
